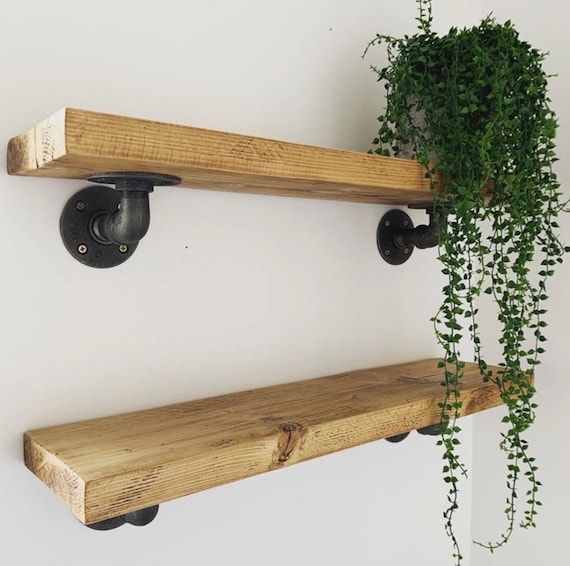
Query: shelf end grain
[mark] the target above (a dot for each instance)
(58, 476)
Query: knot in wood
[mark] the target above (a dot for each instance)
(288, 440)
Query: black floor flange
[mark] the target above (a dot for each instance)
(137, 518)
(130, 180)
(398, 437)
(392, 248)
(431, 430)
(76, 226)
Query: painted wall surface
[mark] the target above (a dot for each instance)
(226, 292)
(543, 25)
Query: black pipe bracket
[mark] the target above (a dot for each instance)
(139, 518)
(432, 430)
(397, 237)
(397, 437)
(102, 226)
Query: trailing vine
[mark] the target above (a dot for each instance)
(472, 106)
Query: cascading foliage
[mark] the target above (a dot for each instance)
(472, 106)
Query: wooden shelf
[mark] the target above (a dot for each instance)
(75, 143)
(106, 467)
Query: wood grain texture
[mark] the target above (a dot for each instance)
(105, 467)
(75, 143)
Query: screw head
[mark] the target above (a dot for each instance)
(406, 223)
(387, 223)
(407, 251)
(123, 248)
(80, 205)
(386, 252)
(82, 249)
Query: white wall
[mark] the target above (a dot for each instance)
(226, 292)
(544, 25)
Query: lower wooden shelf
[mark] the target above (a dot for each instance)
(107, 467)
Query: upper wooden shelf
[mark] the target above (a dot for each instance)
(106, 467)
(75, 143)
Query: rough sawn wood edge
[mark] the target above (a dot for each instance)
(74, 143)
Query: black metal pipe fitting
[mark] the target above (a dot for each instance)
(102, 226)
(397, 237)
(130, 221)
(139, 518)
(422, 236)
(432, 430)
(128, 224)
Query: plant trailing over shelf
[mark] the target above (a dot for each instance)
(472, 105)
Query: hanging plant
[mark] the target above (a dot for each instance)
(472, 106)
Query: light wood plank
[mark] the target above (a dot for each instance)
(105, 467)
(75, 143)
